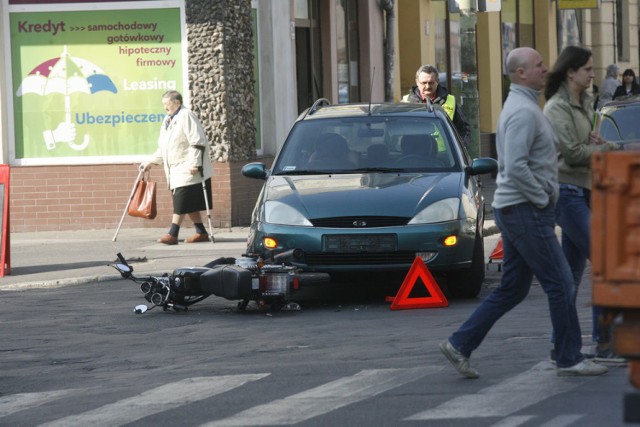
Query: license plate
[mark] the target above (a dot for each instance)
(350, 243)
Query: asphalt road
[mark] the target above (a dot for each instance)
(78, 355)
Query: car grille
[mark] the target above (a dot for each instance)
(360, 221)
(371, 258)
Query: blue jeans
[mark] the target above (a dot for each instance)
(530, 248)
(573, 214)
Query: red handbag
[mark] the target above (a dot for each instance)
(143, 201)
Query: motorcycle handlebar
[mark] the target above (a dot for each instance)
(121, 258)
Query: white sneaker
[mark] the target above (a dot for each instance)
(585, 368)
(460, 362)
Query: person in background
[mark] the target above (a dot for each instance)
(629, 85)
(608, 85)
(524, 210)
(570, 110)
(182, 151)
(428, 87)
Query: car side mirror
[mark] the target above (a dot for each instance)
(255, 170)
(481, 166)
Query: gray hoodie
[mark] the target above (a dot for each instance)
(608, 85)
(527, 152)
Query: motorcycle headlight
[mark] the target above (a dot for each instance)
(441, 211)
(280, 213)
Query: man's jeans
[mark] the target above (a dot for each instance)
(573, 214)
(530, 248)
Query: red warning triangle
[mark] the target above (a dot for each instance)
(418, 270)
(498, 252)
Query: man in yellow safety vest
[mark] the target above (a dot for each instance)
(427, 85)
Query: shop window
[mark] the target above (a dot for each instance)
(348, 51)
(441, 32)
(568, 28)
(308, 53)
(622, 30)
(517, 31)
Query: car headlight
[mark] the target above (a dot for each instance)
(440, 211)
(280, 213)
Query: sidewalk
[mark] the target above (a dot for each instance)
(61, 258)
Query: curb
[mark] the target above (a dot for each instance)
(58, 283)
(489, 230)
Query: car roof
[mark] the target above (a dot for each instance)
(324, 110)
(632, 100)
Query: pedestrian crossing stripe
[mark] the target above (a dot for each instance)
(21, 401)
(325, 398)
(513, 394)
(159, 399)
(499, 401)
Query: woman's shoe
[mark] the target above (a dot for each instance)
(197, 238)
(168, 239)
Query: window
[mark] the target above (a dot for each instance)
(348, 52)
(622, 29)
(517, 31)
(440, 23)
(568, 28)
(344, 144)
(308, 53)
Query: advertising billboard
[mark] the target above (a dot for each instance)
(87, 79)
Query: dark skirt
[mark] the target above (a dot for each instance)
(191, 198)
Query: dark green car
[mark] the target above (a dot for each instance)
(370, 187)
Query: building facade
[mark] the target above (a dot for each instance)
(253, 66)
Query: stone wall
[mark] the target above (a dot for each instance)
(220, 51)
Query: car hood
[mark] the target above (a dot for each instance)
(370, 194)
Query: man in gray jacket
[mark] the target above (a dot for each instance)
(527, 189)
(608, 85)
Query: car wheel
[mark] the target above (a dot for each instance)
(467, 283)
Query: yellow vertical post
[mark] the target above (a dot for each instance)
(546, 33)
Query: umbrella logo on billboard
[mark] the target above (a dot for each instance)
(66, 75)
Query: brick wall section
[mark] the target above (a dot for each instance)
(245, 192)
(91, 197)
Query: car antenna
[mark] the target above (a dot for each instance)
(373, 76)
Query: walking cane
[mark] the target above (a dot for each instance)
(133, 190)
(206, 202)
(204, 193)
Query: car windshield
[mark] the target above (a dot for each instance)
(620, 123)
(368, 144)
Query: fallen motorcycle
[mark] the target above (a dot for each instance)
(269, 283)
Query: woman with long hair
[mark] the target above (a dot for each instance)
(629, 85)
(570, 109)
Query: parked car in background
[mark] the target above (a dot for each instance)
(370, 187)
(619, 121)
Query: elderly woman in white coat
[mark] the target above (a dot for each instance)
(183, 152)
